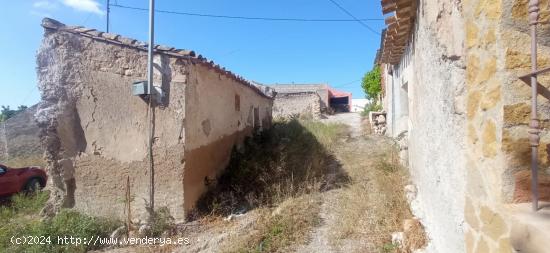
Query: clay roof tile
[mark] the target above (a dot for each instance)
(53, 24)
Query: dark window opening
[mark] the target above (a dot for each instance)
(237, 103)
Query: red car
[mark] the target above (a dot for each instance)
(14, 180)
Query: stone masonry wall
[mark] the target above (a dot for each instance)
(498, 113)
(297, 104)
(321, 89)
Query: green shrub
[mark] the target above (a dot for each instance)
(371, 83)
(163, 222)
(371, 107)
(29, 204)
(20, 218)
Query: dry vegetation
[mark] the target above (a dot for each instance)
(277, 229)
(281, 180)
(281, 174)
(373, 205)
(285, 175)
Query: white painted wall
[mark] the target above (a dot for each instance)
(398, 99)
(358, 104)
(433, 70)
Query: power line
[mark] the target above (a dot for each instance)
(348, 83)
(356, 19)
(245, 17)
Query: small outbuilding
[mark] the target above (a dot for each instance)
(96, 131)
(309, 99)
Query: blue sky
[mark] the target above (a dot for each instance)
(338, 53)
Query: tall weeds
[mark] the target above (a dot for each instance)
(289, 160)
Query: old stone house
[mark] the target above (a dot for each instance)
(453, 95)
(297, 104)
(96, 132)
(309, 99)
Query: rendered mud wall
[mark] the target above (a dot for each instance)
(437, 152)
(426, 113)
(220, 114)
(287, 105)
(95, 131)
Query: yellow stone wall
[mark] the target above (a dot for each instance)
(497, 49)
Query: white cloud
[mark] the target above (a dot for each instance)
(44, 4)
(40, 14)
(85, 5)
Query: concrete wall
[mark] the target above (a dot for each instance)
(215, 125)
(358, 104)
(297, 104)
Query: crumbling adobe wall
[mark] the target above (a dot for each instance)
(220, 115)
(4, 151)
(95, 131)
(297, 104)
(19, 136)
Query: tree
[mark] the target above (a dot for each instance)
(6, 112)
(371, 83)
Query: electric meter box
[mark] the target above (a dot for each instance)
(140, 88)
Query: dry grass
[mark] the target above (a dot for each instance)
(373, 206)
(365, 125)
(289, 160)
(281, 174)
(279, 228)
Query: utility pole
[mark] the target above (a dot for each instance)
(151, 110)
(108, 12)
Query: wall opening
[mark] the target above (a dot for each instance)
(404, 99)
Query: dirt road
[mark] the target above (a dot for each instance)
(352, 218)
(345, 212)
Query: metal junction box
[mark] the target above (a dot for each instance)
(140, 88)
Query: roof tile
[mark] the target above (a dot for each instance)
(53, 24)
